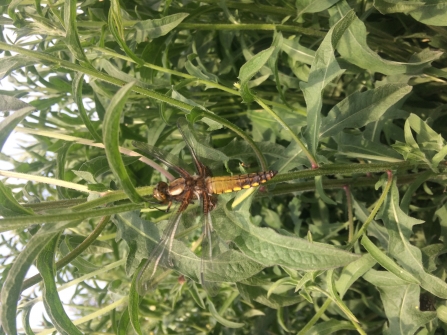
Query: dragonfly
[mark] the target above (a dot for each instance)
(184, 191)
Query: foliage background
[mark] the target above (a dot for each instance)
(284, 85)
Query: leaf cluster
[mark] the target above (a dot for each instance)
(346, 99)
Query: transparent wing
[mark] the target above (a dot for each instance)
(183, 127)
(209, 240)
(160, 255)
(170, 160)
(198, 148)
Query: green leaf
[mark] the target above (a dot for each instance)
(320, 191)
(113, 71)
(393, 6)
(229, 266)
(195, 294)
(335, 297)
(220, 319)
(427, 139)
(441, 213)
(134, 302)
(399, 227)
(72, 37)
(354, 49)
(63, 216)
(313, 6)
(150, 29)
(9, 103)
(80, 263)
(200, 71)
(8, 124)
(124, 322)
(330, 327)
(428, 147)
(433, 12)
(26, 313)
(406, 199)
(352, 272)
(401, 302)
(361, 108)
(387, 262)
(441, 313)
(259, 294)
(87, 176)
(280, 318)
(200, 144)
(98, 166)
(356, 146)
(297, 52)
(111, 141)
(324, 69)
(269, 248)
(60, 168)
(13, 283)
(272, 64)
(51, 300)
(249, 69)
(77, 94)
(9, 64)
(115, 24)
(9, 205)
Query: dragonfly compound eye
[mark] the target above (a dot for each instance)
(160, 191)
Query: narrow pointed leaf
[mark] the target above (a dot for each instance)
(249, 69)
(111, 141)
(361, 108)
(324, 69)
(150, 29)
(51, 300)
(362, 55)
(13, 283)
(399, 226)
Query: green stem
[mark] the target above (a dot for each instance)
(261, 159)
(311, 158)
(50, 218)
(73, 254)
(347, 169)
(224, 26)
(373, 213)
(315, 318)
(248, 26)
(43, 57)
(169, 71)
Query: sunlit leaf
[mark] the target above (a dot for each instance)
(324, 69)
(111, 141)
(362, 55)
(249, 69)
(401, 302)
(51, 299)
(399, 226)
(267, 247)
(361, 108)
(150, 29)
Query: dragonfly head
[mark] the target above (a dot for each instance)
(161, 192)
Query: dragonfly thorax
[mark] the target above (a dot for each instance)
(176, 190)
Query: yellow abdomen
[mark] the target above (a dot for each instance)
(218, 185)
